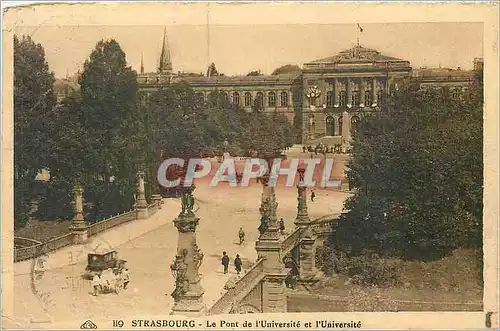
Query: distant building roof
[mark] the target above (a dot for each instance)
(357, 54)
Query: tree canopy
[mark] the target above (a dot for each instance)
(34, 100)
(286, 69)
(418, 172)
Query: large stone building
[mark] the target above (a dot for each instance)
(322, 96)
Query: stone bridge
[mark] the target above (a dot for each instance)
(281, 259)
(261, 288)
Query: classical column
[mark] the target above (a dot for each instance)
(188, 293)
(374, 92)
(268, 247)
(349, 93)
(142, 204)
(336, 91)
(362, 88)
(346, 130)
(78, 226)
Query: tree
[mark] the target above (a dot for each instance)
(266, 134)
(286, 69)
(34, 99)
(417, 168)
(254, 73)
(114, 128)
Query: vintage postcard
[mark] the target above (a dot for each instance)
(237, 166)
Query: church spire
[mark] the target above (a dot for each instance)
(165, 61)
(142, 64)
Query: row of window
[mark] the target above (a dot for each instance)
(248, 102)
(355, 98)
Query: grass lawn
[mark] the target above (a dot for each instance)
(450, 284)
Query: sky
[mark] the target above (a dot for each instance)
(240, 48)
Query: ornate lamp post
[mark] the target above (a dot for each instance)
(302, 215)
(188, 293)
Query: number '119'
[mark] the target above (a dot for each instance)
(118, 323)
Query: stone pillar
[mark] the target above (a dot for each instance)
(274, 297)
(362, 89)
(290, 99)
(78, 227)
(374, 92)
(307, 257)
(188, 293)
(346, 130)
(142, 204)
(349, 93)
(306, 248)
(268, 247)
(302, 218)
(269, 227)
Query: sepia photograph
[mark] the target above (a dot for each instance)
(186, 172)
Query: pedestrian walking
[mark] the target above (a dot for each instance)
(282, 226)
(225, 262)
(313, 195)
(126, 278)
(96, 283)
(241, 235)
(237, 264)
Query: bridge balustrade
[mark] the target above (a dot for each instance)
(240, 290)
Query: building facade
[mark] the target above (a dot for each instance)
(326, 96)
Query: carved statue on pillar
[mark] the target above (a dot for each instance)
(179, 271)
(269, 227)
(188, 294)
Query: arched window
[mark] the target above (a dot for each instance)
(236, 98)
(355, 98)
(284, 99)
(271, 99)
(200, 99)
(329, 99)
(330, 126)
(368, 98)
(342, 98)
(259, 100)
(226, 96)
(248, 99)
(456, 94)
(381, 97)
(340, 125)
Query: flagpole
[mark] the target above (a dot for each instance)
(358, 30)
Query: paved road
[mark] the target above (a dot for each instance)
(149, 247)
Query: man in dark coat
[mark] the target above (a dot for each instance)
(313, 195)
(225, 262)
(237, 264)
(282, 226)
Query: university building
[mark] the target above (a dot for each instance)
(326, 97)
